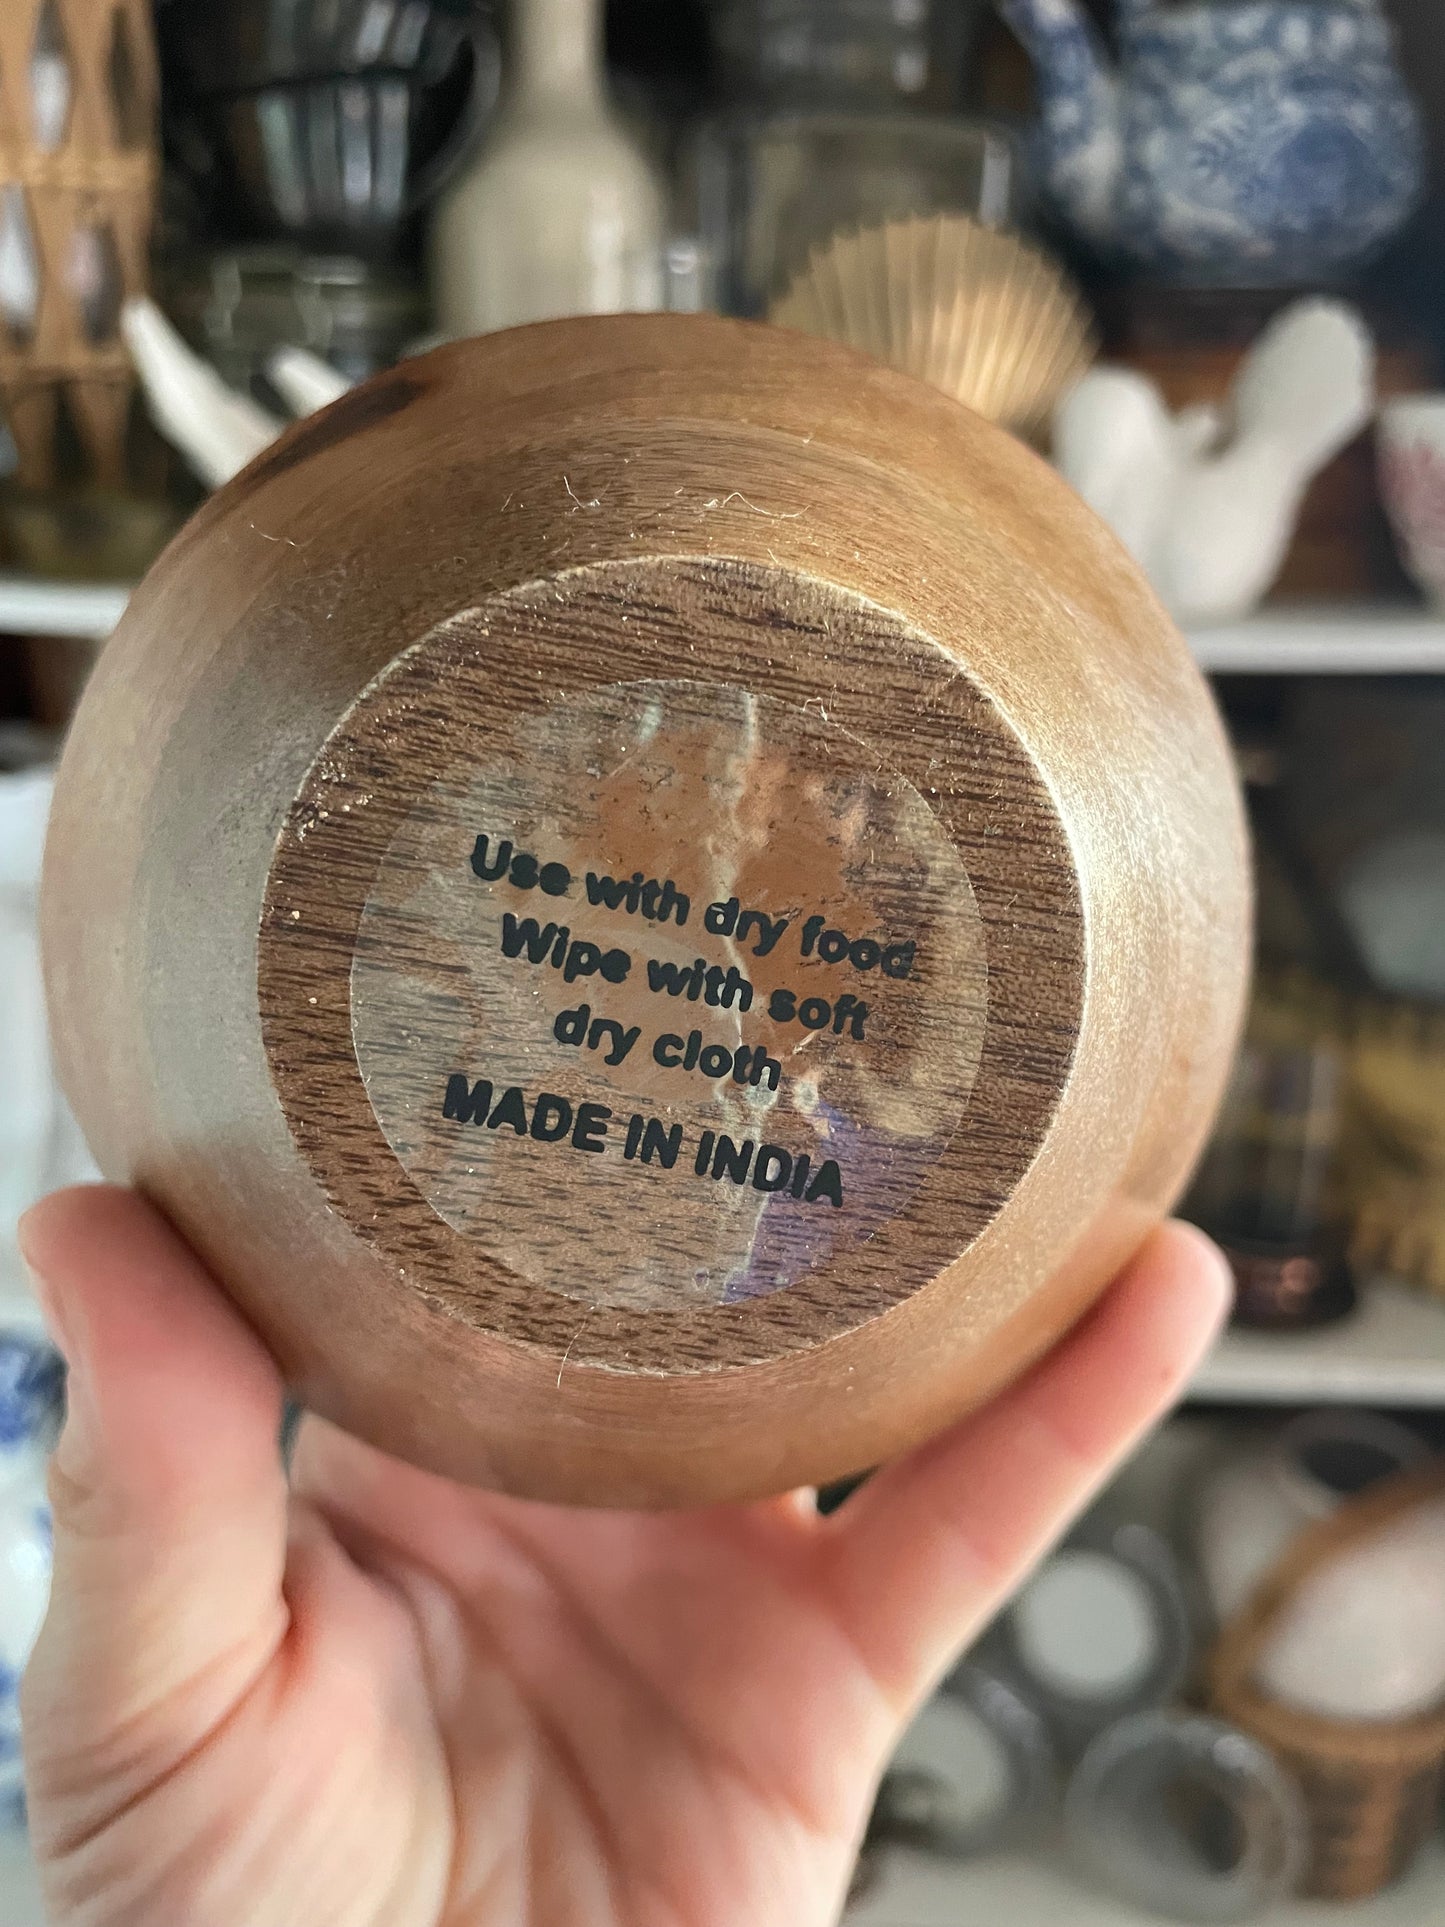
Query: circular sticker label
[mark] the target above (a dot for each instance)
(672, 997)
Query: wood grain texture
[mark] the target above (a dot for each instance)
(455, 562)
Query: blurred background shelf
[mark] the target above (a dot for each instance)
(19, 1893)
(916, 1891)
(1381, 640)
(1347, 641)
(750, 135)
(1350, 640)
(1391, 1351)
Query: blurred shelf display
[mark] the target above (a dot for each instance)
(1390, 1351)
(914, 1890)
(879, 53)
(1381, 640)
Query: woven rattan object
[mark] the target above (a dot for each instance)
(1372, 1789)
(78, 169)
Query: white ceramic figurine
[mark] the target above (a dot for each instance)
(1208, 500)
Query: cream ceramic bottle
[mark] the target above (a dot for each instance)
(562, 212)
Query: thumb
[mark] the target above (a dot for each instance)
(170, 1509)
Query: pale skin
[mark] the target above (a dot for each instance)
(372, 1698)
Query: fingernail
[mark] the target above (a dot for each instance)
(80, 1435)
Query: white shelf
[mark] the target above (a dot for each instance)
(87, 611)
(1390, 1351)
(918, 1891)
(1344, 641)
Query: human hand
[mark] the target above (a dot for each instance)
(378, 1699)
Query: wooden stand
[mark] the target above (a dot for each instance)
(660, 901)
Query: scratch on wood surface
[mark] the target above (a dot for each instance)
(773, 515)
(594, 503)
(571, 1346)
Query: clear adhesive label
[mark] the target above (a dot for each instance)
(671, 998)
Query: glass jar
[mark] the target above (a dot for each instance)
(1265, 1190)
(1187, 1817)
(1104, 1628)
(843, 120)
(974, 1770)
(770, 188)
(239, 305)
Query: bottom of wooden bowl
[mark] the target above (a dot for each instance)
(685, 943)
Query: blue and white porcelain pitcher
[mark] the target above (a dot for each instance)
(1236, 142)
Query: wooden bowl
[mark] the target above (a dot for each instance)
(661, 902)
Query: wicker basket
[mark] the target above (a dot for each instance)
(1372, 1790)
